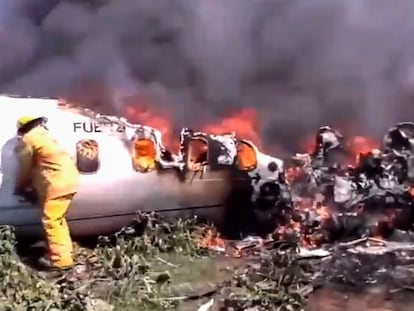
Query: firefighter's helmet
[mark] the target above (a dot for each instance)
(24, 120)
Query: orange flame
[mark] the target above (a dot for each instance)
(244, 122)
(137, 110)
(209, 238)
(361, 145)
(304, 206)
(355, 145)
(308, 144)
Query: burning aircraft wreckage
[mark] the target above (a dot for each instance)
(334, 192)
(341, 192)
(126, 168)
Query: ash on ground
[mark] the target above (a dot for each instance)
(285, 275)
(385, 264)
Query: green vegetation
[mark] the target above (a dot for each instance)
(161, 269)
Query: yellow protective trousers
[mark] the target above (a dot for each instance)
(59, 242)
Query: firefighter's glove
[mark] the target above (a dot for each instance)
(28, 195)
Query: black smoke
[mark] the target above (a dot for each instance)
(301, 63)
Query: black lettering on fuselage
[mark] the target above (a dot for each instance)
(88, 127)
(77, 126)
(97, 127)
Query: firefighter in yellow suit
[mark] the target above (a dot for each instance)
(51, 171)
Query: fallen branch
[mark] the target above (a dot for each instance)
(362, 240)
(166, 262)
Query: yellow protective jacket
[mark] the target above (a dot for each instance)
(46, 166)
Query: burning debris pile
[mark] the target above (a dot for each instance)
(349, 189)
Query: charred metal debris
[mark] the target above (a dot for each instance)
(327, 194)
(337, 194)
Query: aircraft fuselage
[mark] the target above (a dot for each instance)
(111, 189)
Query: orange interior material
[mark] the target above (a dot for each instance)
(197, 154)
(144, 155)
(246, 156)
(88, 149)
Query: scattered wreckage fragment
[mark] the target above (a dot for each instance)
(368, 198)
(379, 182)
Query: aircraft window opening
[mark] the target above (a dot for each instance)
(246, 156)
(197, 154)
(144, 155)
(87, 156)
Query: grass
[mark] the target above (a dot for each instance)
(160, 269)
(189, 277)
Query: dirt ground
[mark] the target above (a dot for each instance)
(200, 277)
(368, 300)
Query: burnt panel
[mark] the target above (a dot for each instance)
(222, 151)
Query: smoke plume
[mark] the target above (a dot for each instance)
(301, 63)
